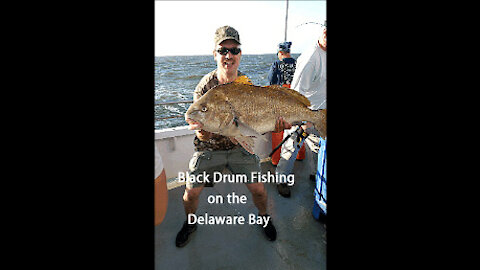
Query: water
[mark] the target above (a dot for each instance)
(177, 76)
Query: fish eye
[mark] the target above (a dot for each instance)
(204, 109)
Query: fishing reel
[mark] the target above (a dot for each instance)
(299, 135)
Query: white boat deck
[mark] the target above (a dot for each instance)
(301, 240)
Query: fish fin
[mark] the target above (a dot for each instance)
(243, 79)
(263, 137)
(320, 122)
(246, 142)
(245, 129)
(292, 93)
(248, 131)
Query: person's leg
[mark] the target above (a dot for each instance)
(313, 142)
(286, 163)
(322, 186)
(201, 162)
(190, 204)
(242, 162)
(312, 159)
(190, 199)
(259, 196)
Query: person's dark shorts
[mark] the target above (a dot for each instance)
(237, 160)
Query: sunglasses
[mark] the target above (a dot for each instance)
(224, 51)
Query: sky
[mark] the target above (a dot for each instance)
(188, 27)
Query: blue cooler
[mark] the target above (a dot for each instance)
(320, 192)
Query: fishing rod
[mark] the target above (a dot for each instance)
(308, 23)
(286, 20)
(301, 135)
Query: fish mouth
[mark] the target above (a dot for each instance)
(193, 125)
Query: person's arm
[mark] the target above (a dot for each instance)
(161, 197)
(160, 192)
(272, 74)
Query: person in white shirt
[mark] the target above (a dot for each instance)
(310, 79)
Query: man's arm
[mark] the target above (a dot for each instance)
(272, 74)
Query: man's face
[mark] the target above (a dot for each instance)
(323, 39)
(282, 55)
(228, 62)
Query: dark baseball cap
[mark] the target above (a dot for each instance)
(284, 46)
(226, 32)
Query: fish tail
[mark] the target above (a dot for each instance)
(320, 121)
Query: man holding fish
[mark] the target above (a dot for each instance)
(227, 112)
(214, 152)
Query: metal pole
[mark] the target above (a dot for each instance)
(286, 19)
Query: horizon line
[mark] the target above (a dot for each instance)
(211, 54)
